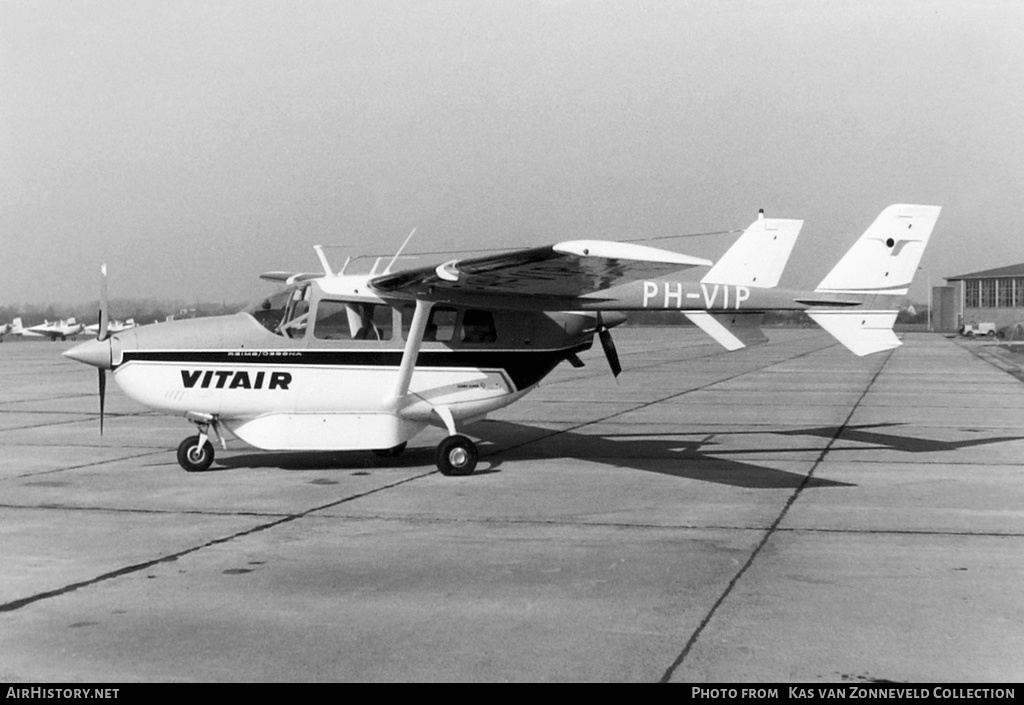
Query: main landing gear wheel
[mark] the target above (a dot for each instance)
(456, 455)
(193, 457)
(392, 452)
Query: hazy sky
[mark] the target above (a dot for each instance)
(193, 145)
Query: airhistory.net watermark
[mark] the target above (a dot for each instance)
(62, 693)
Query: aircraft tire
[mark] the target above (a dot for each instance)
(456, 455)
(392, 452)
(192, 457)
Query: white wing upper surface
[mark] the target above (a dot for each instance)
(540, 277)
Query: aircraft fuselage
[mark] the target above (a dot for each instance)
(325, 382)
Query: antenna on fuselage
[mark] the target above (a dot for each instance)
(323, 260)
(387, 269)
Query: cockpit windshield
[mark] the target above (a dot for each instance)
(283, 313)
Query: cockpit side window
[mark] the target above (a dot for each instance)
(342, 320)
(293, 324)
(270, 311)
(284, 312)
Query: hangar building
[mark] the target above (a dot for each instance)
(991, 296)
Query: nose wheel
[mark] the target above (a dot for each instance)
(456, 455)
(195, 454)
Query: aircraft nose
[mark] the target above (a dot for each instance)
(92, 352)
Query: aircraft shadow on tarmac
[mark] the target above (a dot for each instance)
(905, 444)
(664, 454)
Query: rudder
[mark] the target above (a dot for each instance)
(758, 257)
(885, 258)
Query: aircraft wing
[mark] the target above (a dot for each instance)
(542, 277)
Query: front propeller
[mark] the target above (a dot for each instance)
(103, 394)
(103, 319)
(604, 334)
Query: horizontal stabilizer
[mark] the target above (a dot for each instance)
(731, 330)
(862, 332)
(758, 257)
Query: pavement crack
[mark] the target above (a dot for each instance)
(691, 642)
(170, 558)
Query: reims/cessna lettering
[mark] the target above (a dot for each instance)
(335, 361)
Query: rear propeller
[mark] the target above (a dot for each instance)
(103, 320)
(604, 334)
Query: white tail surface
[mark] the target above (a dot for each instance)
(758, 257)
(861, 332)
(885, 258)
(731, 330)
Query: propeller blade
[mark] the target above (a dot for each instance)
(104, 314)
(103, 394)
(605, 336)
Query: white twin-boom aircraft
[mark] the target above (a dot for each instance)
(366, 362)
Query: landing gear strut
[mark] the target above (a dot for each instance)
(456, 455)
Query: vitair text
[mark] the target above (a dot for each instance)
(240, 379)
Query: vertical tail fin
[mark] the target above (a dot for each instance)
(758, 257)
(885, 258)
(756, 260)
(881, 263)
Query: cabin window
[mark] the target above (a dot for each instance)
(341, 320)
(284, 313)
(441, 325)
(478, 327)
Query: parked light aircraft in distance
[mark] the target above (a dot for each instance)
(9, 328)
(365, 362)
(63, 329)
(113, 327)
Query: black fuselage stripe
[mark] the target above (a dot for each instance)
(525, 368)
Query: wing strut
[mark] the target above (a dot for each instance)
(412, 350)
